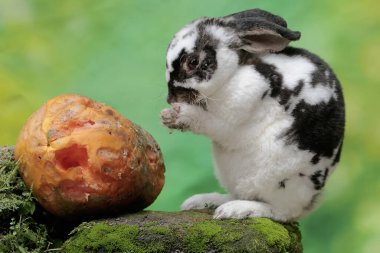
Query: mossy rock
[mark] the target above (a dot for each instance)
(190, 231)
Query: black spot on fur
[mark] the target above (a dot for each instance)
(301, 174)
(285, 95)
(177, 74)
(319, 178)
(274, 78)
(315, 159)
(317, 128)
(298, 88)
(282, 183)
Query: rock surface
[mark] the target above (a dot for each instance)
(190, 231)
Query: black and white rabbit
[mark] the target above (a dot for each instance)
(275, 114)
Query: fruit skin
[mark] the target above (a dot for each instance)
(83, 158)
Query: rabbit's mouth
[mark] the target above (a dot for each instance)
(185, 95)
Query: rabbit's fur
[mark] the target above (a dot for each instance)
(275, 114)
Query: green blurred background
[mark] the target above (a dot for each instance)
(114, 52)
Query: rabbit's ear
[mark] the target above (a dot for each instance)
(260, 31)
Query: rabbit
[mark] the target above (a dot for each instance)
(274, 113)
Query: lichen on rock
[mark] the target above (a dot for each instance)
(190, 231)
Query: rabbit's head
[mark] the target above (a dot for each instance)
(205, 54)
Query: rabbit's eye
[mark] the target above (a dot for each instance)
(192, 62)
(206, 63)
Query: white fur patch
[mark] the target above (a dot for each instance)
(220, 33)
(292, 68)
(317, 94)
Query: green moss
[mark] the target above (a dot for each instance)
(160, 230)
(19, 231)
(251, 235)
(151, 224)
(275, 234)
(198, 236)
(102, 237)
(226, 240)
(228, 237)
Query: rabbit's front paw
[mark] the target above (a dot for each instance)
(207, 200)
(170, 117)
(241, 209)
